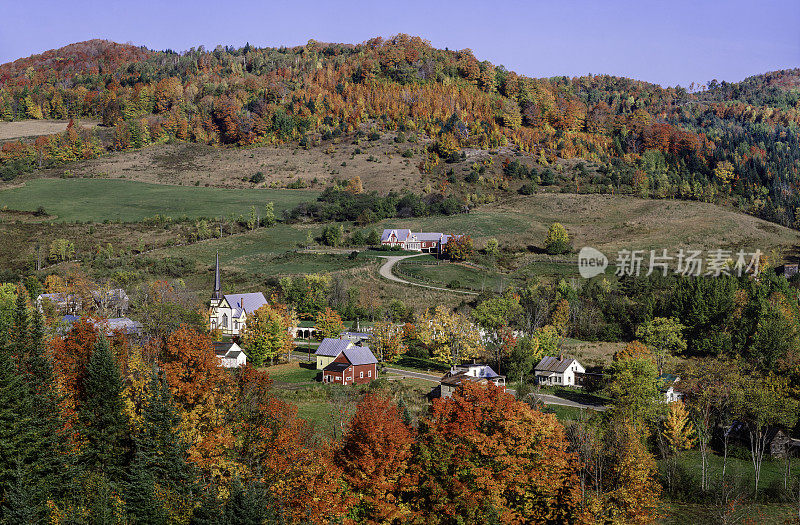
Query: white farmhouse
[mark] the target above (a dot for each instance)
(667, 388)
(230, 355)
(473, 373)
(558, 371)
(228, 313)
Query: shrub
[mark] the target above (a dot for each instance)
(454, 284)
(257, 178)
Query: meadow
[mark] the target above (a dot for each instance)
(96, 200)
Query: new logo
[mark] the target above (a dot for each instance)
(591, 262)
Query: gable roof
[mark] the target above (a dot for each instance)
(247, 302)
(337, 367)
(481, 371)
(360, 355)
(222, 347)
(401, 234)
(330, 347)
(554, 364)
(428, 236)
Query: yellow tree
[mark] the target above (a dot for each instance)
(450, 336)
(265, 335)
(387, 341)
(328, 324)
(678, 431)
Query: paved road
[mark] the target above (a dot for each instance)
(391, 260)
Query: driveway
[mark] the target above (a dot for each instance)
(391, 260)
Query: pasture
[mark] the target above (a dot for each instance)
(96, 200)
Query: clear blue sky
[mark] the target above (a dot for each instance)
(666, 42)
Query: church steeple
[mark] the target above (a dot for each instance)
(217, 284)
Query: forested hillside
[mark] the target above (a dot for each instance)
(735, 143)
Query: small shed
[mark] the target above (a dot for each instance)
(230, 354)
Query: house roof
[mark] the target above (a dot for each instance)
(482, 370)
(336, 367)
(554, 364)
(401, 234)
(360, 335)
(428, 236)
(668, 380)
(455, 380)
(70, 319)
(247, 302)
(222, 347)
(332, 347)
(360, 355)
(122, 324)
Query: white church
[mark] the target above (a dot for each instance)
(228, 313)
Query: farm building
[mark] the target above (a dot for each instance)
(329, 349)
(458, 375)
(63, 303)
(354, 365)
(416, 242)
(230, 355)
(558, 371)
(228, 313)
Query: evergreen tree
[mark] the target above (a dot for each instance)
(102, 418)
(49, 471)
(20, 336)
(249, 505)
(161, 453)
(141, 503)
(14, 422)
(19, 505)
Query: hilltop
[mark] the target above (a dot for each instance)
(729, 143)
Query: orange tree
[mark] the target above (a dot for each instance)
(484, 456)
(328, 324)
(374, 458)
(459, 247)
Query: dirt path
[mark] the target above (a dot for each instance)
(386, 272)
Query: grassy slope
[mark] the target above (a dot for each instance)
(97, 199)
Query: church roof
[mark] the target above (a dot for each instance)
(247, 302)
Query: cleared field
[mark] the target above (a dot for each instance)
(34, 128)
(609, 223)
(73, 200)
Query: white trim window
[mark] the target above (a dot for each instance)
(362, 375)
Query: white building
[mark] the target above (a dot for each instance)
(667, 389)
(230, 355)
(416, 242)
(558, 371)
(228, 313)
(459, 374)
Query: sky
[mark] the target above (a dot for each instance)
(670, 43)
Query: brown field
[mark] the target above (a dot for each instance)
(34, 128)
(197, 164)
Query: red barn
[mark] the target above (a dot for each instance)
(354, 365)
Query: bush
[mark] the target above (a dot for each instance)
(454, 284)
(548, 177)
(297, 184)
(527, 189)
(257, 178)
(408, 153)
(471, 177)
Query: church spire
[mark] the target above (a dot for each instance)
(217, 288)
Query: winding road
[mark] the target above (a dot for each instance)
(391, 260)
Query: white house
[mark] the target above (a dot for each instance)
(228, 313)
(230, 355)
(416, 242)
(459, 374)
(65, 303)
(668, 382)
(558, 371)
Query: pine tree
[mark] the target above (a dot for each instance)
(102, 418)
(141, 504)
(20, 336)
(14, 421)
(48, 472)
(249, 505)
(161, 454)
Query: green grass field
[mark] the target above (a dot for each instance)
(117, 200)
